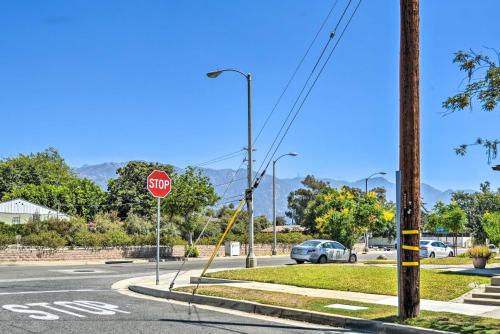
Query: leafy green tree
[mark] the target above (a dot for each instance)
(46, 167)
(300, 198)
(475, 205)
(450, 217)
(191, 194)
(483, 86)
(128, 193)
(77, 197)
(491, 225)
(343, 215)
(44, 178)
(280, 221)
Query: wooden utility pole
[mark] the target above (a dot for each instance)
(409, 159)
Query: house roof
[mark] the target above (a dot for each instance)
(285, 228)
(21, 206)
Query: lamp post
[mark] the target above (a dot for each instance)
(251, 260)
(292, 154)
(366, 192)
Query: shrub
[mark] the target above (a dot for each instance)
(480, 251)
(191, 251)
(136, 225)
(114, 238)
(6, 239)
(282, 238)
(46, 239)
(168, 240)
(88, 239)
(12, 230)
(144, 240)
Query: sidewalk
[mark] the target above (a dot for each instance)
(429, 305)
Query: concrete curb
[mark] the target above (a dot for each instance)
(286, 313)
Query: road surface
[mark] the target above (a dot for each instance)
(79, 299)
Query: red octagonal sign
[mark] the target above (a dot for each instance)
(159, 183)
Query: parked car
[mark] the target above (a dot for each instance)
(322, 251)
(493, 248)
(434, 248)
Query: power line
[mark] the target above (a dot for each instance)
(331, 36)
(299, 65)
(310, 89)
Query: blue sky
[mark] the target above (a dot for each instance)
(121, 80)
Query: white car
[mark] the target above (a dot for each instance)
(434, 248)
(493, 248)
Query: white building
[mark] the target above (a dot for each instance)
(19, 211)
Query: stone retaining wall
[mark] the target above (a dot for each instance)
(16, 254)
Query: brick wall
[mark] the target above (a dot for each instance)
(14, 254)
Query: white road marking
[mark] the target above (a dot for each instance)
(85, 306)
(47, 305)
(63, 278)
(47, 291)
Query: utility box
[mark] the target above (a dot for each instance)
(232, 248)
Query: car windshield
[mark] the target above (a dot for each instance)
(424, 243)
(310, 243)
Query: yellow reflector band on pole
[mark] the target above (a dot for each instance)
(410, 231)
(413, 248)
(410, 264)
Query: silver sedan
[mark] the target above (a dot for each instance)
(322, 251)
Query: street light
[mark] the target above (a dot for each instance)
(366, 192)
(497, 168)
(292, 154)
(251, 260)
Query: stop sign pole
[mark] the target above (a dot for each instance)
(159, 185)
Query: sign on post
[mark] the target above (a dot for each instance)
(159, 185)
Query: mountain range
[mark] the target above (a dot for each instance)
(220, 178)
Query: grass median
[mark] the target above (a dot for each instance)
(435, 284)
(439, 261)
(457, 323)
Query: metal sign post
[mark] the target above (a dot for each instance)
(158, 243)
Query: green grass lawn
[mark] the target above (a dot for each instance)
(435, 284)
(440, 261)
(443, 321)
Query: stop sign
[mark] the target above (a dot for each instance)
(159, 183)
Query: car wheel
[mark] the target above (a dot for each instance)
(432, 255)
(353, 258)
(322, 259)
(451, 254)
(299, 261)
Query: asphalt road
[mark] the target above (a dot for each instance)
(79, 299)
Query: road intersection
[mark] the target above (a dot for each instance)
(80, 299)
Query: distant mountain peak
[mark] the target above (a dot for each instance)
(101, 173)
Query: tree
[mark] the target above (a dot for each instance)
(298, 199)
(449, 217)
(45, 179)
(280, 221)
(192, 193)
(491, 224)
(475, 205)
(46, 167)
(343, 215)
(483, 86)
(128, 193)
